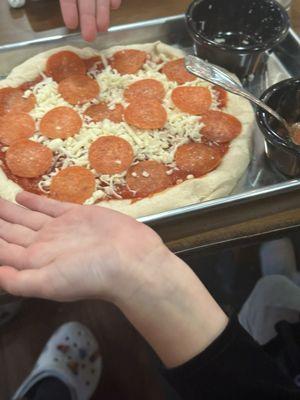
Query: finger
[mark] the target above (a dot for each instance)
(48, 207)
(27, 283)
(87, 11)
(103, 9)
(11, 254)
(16, 214)
(16, 234)
(115, 4)
(70, 13)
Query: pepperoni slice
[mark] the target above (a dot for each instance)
(64, 64)
(101, 111)
(176, 71)
(60, 122)
(146, 114)
(28, 159)
(147, 177)
(197, 158)
(110, 155)
(145, 89)
(193, 100)
(16, 126)
(220, 127)
(30, 84)
(222, 96)
(73, 184)
(78, 89)
(128, 61)
(94, 63)
(11, 99)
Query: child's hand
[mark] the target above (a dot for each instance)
(66, 252)
(92, 15)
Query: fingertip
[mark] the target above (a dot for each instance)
(88, 29)
(71, 19)
(70, 14)
(115, 4)
(26, 198)
(22, 195)
(89, 36)
(71, 24)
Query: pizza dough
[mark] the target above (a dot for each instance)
(218, 183)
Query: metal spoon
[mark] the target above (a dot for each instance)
(217, 76)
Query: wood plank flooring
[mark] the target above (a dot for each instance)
(130, 368)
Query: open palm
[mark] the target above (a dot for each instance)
(66, 252)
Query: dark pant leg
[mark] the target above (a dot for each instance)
(49, 389)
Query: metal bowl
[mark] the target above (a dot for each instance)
(284, 97)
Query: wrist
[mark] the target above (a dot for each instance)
(135, 268)
(150, 279)
(173, 310)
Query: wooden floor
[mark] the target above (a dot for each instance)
(130, 368)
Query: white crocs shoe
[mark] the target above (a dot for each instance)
(72, 356)
(16, 3)
(277, 257)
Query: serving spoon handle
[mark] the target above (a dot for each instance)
(217, 76)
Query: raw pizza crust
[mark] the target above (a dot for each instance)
(217, 183)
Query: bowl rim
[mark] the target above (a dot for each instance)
(198, 36)
(262, 120)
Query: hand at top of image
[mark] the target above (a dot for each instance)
(92, 15)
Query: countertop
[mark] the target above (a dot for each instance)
(40, 17)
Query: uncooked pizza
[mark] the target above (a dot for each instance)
(127, 128)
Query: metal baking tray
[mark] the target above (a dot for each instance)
(260, 180)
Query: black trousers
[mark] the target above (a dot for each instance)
(54, 389)
(49, 389)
